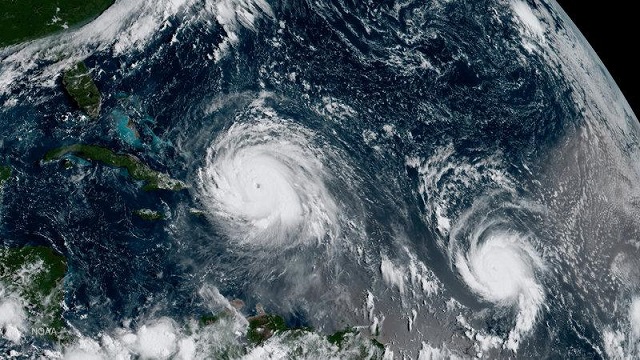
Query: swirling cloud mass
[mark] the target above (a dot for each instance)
(266, 183)
(501, 266)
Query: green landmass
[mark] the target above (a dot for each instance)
(264, 326)
(149, 215)
(349, 343)
(209, 319)
(79, 85)
(67, 164)
(339, 337)
(36, 273)
(22, 20)
(5, 173)
(153, 180)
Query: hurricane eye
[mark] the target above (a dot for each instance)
(267, 191)
(501, 267)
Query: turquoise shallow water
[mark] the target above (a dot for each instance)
(126, 129)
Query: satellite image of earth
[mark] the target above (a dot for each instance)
(313, 179)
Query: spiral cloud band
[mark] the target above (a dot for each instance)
(501, 266)
(266, 183)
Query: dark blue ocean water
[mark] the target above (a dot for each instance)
(482, 100)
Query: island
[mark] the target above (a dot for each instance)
(149, 215)
(78, 83)
(263, 326)
(30, 19)
(153, 180)
(5, 174)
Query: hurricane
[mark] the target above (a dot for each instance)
(496, 258)
(241, 179)
(266, 183)
(501, 268)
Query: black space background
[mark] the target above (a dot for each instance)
(613, 30)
